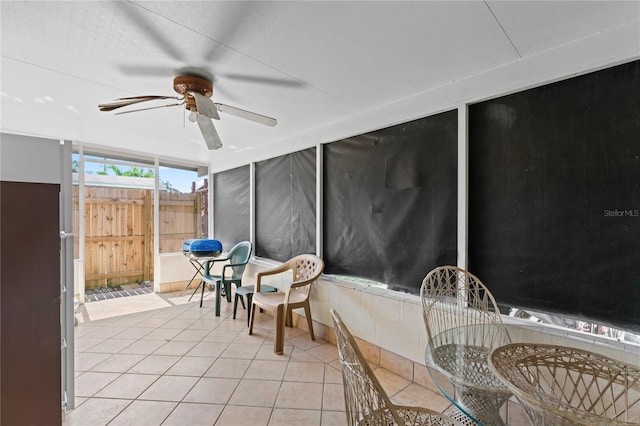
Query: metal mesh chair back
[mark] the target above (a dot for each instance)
(463, 323)
(568, 386)
(452, 297)
(363, 394)
(366, 402)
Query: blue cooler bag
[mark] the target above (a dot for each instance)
(203, 248)
(186, 246)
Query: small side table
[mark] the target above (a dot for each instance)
(248, 290)
(198, 264)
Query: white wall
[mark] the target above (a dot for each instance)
(174, 270)
(385, 318)
(29, 159)
(78, 279)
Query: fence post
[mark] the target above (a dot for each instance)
(147, 258)
(198, 215)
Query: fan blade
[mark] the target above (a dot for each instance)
(122, 102)
(140, 17)
(236, 19)
(209, 132)
(205, 106)
(248, 115)
(145, 109)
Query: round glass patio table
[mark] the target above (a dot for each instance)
(457, 360)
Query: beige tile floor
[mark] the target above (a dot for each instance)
(170, 362)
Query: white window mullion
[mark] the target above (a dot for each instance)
(319, 207)
(463, 186)
(252, 205)
(67, 314)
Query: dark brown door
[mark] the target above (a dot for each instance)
(30, 371)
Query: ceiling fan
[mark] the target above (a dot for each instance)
(196, 96)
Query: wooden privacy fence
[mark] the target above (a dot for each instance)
(119, 231)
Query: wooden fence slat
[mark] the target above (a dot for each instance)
(146, 251)
(119, 231)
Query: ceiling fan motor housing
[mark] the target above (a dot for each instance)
(183, 84)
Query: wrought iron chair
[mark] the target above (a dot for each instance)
(568, 386)
(365, 400)
(232, 272)
(463, 325)
(306, 268)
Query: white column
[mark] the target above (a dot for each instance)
(252, 205)
(319, 188)
(463, 187)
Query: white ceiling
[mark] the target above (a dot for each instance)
(325, 70)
